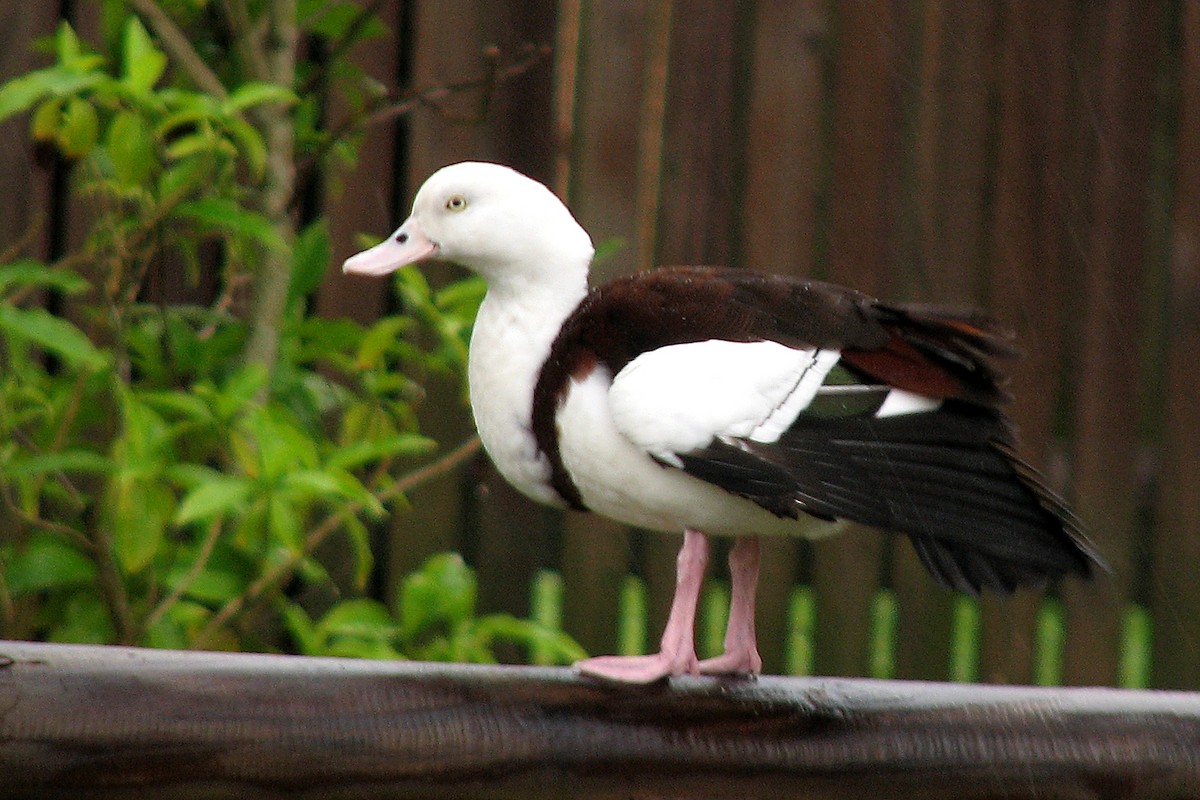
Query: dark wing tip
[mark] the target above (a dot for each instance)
(1060, 549)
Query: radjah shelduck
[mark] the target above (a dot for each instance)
(721, 402)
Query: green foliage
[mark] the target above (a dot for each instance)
(434, 620)
(156, 487)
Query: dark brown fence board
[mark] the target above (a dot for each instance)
(776, 215)
(123, 723)
(603, 171)
(361, 201)
(865, 148)
(952, 128)
(1106, 416)
(25, 203)
(1031, 251)
(1174, 590)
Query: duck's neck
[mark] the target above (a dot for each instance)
(516, 326)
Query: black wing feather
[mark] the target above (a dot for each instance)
(978, 517)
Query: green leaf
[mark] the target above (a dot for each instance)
(357, 617)
(310, 259)
(66, 44)
(378, 340)
(145, 442)
(44, 124)
(284, 523)
(52, 333)
(462, 296)
(180, 179)
(256, 93)
(217, 497)
(555, 646)
(84, 620)
(143, 62)
(313, 484)
(131, 148)
(359, 453)
(48, 563)
(190, 145)
(302, 628)
(137, 510)
(229, 216)
(79, 128)
(27, 272)
(282, 447)
(179, 402)
(334, 20)
(251, 145)
(360, 543)
(239, 390)
(442, 590)
(375, 649)
(75, 461)
(330, 484)
(22, 92)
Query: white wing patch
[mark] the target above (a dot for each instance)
(679, 398)
(901, 401)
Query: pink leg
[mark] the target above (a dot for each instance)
(741, 647)
(677, 652)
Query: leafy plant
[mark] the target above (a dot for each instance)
(434, 620)
(168, 468)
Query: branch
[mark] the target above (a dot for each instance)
(340, 47)
(185, 583)
(179, 47)
(112, 586)
(257, 591)
(275, 196)
(246, 39)
(390, 107)
(121, 722)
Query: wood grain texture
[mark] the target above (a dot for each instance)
(115, 722)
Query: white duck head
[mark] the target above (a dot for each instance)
(492, 220)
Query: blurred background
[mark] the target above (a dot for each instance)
(1039, 159)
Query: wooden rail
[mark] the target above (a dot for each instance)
(100, 722)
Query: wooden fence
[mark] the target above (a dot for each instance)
(1040, 158)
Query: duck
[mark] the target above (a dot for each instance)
(722, 402)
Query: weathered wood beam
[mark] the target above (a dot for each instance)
(101, 722)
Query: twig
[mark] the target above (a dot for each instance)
(179, 47)
(430, 471)
(185, 583)
(13, 250)
(388, 108)
(339, 47)
(278, 574)
(66, 531)
(246, 38)
(112, 587)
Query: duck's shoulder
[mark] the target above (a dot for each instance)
(644, 311)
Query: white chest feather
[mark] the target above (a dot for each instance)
(509, 344)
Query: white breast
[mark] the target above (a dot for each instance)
(509, 345)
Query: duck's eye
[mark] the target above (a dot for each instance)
(456, 203)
